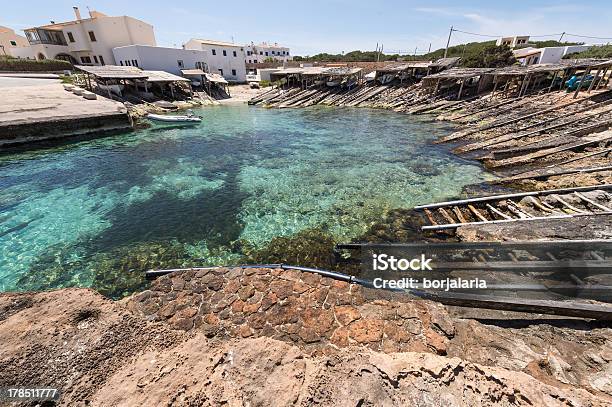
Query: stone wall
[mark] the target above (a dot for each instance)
(42, 130)
(314, 312)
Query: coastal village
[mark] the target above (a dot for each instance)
(304, 326)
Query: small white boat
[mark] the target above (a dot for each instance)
(189, 118)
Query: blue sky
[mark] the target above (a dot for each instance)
(309, 27)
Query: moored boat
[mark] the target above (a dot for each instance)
(189, 118)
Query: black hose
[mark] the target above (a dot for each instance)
(151, 274)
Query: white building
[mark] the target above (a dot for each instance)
(546, 55)
(256, 54)
(9, 41)
(161, 58)
(513, 42)
(87, 41)
(223, 58)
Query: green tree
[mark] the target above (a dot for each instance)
(492, 56)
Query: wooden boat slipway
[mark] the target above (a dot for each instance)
(565, 203)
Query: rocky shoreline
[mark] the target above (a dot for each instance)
(273, 337)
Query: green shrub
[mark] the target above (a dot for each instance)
(29, 65)
(603, 51)
(264, 83)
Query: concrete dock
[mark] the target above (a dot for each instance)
(34, 110)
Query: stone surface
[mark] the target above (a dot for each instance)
(304, 349)
(301, 308)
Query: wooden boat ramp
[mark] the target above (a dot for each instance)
(565, 203)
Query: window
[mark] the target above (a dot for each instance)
(13, 43)
(101, 60)
(95, 59)
(121, 62)
(260, 52)
(127, 63)
(86, 60)
(249, 53)
(233, 72)
(224, 53)
(92, 36)
(273, 52)
(266, 53)
(70, 36)
(249, 61)
(221, 71)
(235, 54)
(135, 62)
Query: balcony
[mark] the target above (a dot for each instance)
(48, 37)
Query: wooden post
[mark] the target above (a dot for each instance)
(594, 79)
(553, 80)
(525, 85)
(494, 85)
(603, 77)
(436, 88)
(586, 72)
(461, 89)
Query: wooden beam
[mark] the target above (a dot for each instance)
(515, 195)
(478, 214)
(597, 205)
(547, 174)
(495, 222)
(565, 308)
(586, 72)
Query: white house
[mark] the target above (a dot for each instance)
(513, 42)
(9, 41)
(87, 41)
(161, 58)
(546, 55)
(223, 58)
(261, 52)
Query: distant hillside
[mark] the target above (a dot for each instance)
(604, 51)
(473, 54)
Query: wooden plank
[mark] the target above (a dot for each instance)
(510, 121)
(549, 173)
(542, 207)
(478, 214)
(515, 195)
(513, 207)
(459, 215)
(567, 205)
(565, 308)
(497, 139)
(430, 217)
(446, 216)
(498, 212)
(597, 205)
(494, 222)
(550, 151)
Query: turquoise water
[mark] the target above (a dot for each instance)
(92, 212)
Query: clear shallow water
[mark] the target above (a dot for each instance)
(89, 213)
